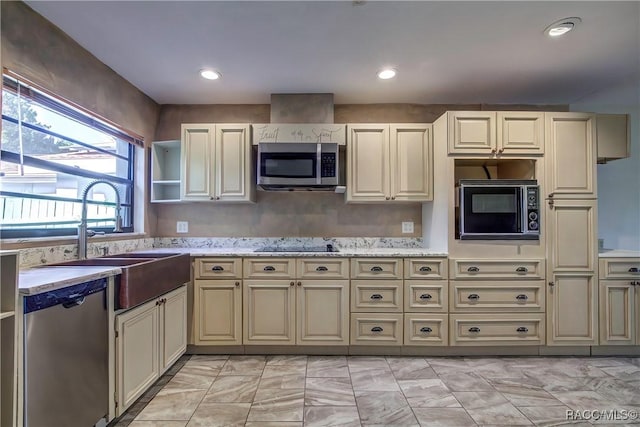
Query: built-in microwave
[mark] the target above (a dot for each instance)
(290, 166)
(499, 209)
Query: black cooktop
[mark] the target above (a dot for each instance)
(327, 248)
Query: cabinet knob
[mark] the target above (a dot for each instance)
(493, 151)
(393, 197)
(425, 269)
(321, 268)
(291, 283)
(551, 284)
(425, 296)
(551, 204)
(299, 283)
(376, 296)
(550, 196)
(501, 150)
(426, 330)
(237, 284)
(217, 268)
(377, 329)
(218, 198)
(522, 329)
(387, 198)
(474, 329)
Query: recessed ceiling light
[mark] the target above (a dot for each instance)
(387, 73)
(561, 27)
(210, 74)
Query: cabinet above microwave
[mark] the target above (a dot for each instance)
(299, 133)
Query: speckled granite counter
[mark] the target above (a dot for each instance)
(43, 279)
(347, 252)
(618, 253)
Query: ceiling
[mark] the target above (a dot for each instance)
(445, 52)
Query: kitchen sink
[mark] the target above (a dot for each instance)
(144, 275)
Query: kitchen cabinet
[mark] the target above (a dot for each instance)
(613, 137)
(322, 312)
(619, 301)
(149, 339)
(572, 309)
(9, 261)
(269, 312)
(218, 301)
(165, 171)
(389, 163)
(497, 329)
(572, 239)
(496, 133)
(216, 163)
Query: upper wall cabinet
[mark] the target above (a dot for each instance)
(216, 163)
(389, 163)
(496, 133)
(612, 137)
(165, 171)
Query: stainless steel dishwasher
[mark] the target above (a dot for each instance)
(66, 357)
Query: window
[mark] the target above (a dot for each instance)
(50, 152)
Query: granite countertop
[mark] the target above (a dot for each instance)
(348, 252)
(43, 279)
(618, 253)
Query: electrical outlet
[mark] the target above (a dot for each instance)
(407, 227)
(182, 227)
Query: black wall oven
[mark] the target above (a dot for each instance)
(499, 209)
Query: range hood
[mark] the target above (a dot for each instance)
(300, 123)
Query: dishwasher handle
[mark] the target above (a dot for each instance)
(73, 300)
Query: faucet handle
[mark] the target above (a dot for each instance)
(91, 233)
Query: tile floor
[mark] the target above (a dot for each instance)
(387, 391)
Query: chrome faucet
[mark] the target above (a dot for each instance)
(83, 233)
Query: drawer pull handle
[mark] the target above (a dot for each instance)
(521, 270)
(522, 297)
(426, 296)
(426, 330)
(377, 329)
(425, 268)
(217, 268)
(633, 270)
(376, 268)
(474, 297)
(322, 268)
(473, 269)
(522, 329)
(474, 329)
(376, 296)
(291, 283)
(269, 268)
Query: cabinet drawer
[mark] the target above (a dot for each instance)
(426, 329)
(469, 295)
(323, 268)
(376, 268)
(496, 329)
(376, 329)
(426, 295)
(496, 269)
(379, 295)
(217, 268)
(269, 268)
(425, 268)
(620, 268)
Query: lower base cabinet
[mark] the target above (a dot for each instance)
(497, 329)
(426, 329)
(376, 329)
(572, 309)
(218, 312)
(619, 305)
(149, 339)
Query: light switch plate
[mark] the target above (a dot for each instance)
(407, 227)
(182, 227)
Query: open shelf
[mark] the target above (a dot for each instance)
(7, 314)
(165, 171)
(8, 339)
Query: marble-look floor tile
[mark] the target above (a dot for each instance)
(273, 424)
(367, 363)
(523, 394)
(619, 391)
(244, 365)
(409, 368)
(374, 380)
(465, 382)
(329, 392)
(158, 424)
(172, 404)
(327, 366)
(272, 371)
(583, 400)
(492, 367)
(211, 414)
(287, 360)
(324, 416)
(449, 365)
(194, 376)
(428, 393)
(283, 381)
(277, 405)
(547, 415)
(479, 399)
(233, 389)
(384, 408)
(443, 417)
(604, 362)
(214, 361)
(492, 408)
(626, 372)
(558, 382)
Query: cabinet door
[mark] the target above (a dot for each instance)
(233, 165)
(411, 162)
(173, 324)
(571, 236)
(572, 315)
(322, 311)
(137, 353)
(617, 312)
(520, 132)
(197, 161)
(472, 132)
(269, 312)
(218, 312)
(570, 155)
(613, 137)
(368, 163)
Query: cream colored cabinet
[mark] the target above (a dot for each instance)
(216, 163)
(389, 163)
(269, 312)
(217, 302)
(165, 171)
(572, 239)
(496, 133)
(149, 339)
(613, 137)
(9, 261)
(322, 312)
(619, 301)
(498, 329)
(572, 309)
(570, 158)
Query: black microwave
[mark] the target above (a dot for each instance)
(297, 165)
(499, 209)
